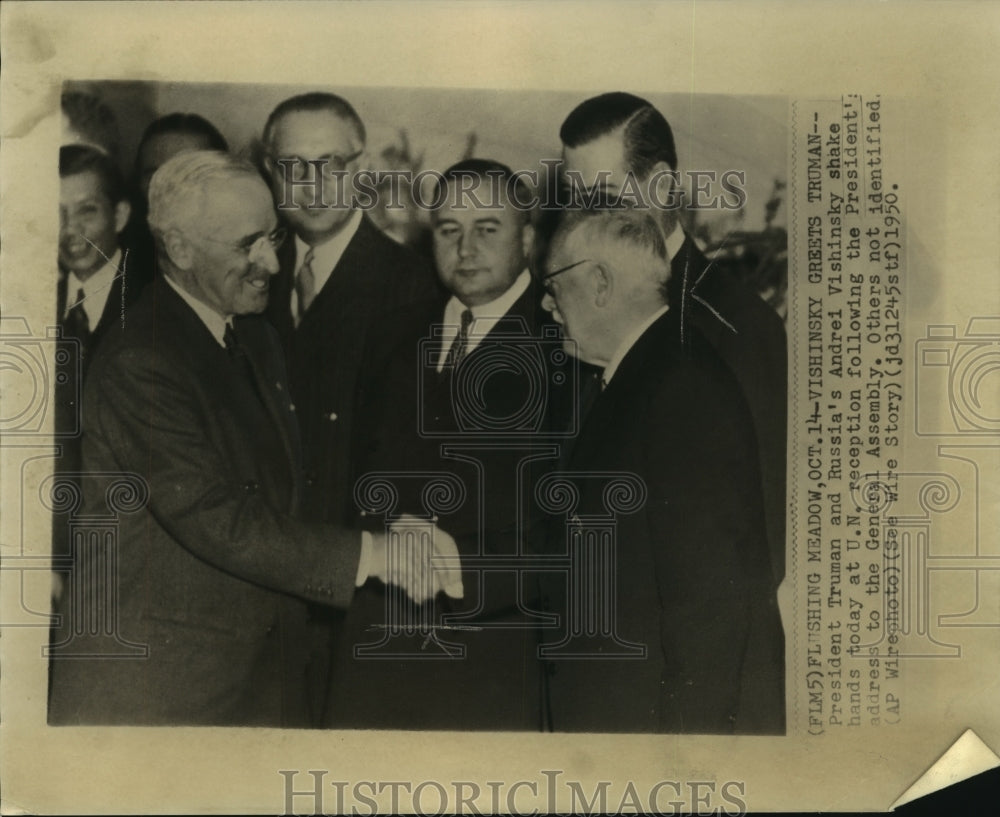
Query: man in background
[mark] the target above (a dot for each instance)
(339, 279)
(163, 139)
(98, 281)
(613, 136)
(469, 385)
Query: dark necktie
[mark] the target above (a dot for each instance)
(460, 346)
(305, 284)
(238, 355)
(76, 323)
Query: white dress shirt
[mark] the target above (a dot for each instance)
(95, 290)
(484, 317)
(325, 257)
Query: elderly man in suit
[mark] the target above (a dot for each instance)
(212, 575)
(614, 136)
(474, 385)
(695, 598)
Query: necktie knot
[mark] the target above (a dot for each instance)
(460, 346)
(76, 323)
(230, 340)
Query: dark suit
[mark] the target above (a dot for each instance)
(750, 338)
(374, 277)
(496, 686)
(124, 291)
(213, 572)
(694, 583)
(324, 353)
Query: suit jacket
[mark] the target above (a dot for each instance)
(71, 367)
(413, 414)
(750, 338)
(374, 277)
(213, 571)
(693, 583)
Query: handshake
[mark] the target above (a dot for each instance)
(415, 555)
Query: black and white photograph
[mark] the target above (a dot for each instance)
(365, 394)
(421, 411)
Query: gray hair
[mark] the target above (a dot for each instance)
(628, 239)
(176, 189)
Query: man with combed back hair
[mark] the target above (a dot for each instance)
(693, 585)
(612, 138)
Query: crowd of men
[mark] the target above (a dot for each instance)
(356, 459)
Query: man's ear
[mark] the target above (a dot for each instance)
(122, 212)
(666, 183)
(603, 282)
(528, 240)
(178, 249)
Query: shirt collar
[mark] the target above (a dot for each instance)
(674, 242)
(628, 342)
(492, 311)
(328, 254)
(95, 289)
(214, 322)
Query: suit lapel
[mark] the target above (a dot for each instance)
(178, 325)
(268, 385)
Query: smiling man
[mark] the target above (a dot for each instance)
(212, 575)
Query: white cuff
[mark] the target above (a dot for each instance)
(365, 561)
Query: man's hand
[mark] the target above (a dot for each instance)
(404, 558)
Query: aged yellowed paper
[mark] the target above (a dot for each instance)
(879, 121)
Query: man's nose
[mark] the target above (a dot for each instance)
(67, 223)
(265, 256)
(548, 302)
(466, 245)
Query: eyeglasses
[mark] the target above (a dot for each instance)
(300, 166)
(544, 279)
(254, 243)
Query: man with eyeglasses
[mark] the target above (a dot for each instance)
(211, 569)
(693, 589)
(339, 280)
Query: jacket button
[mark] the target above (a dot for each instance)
(291, 406)
(332, 416)
(251, 487)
